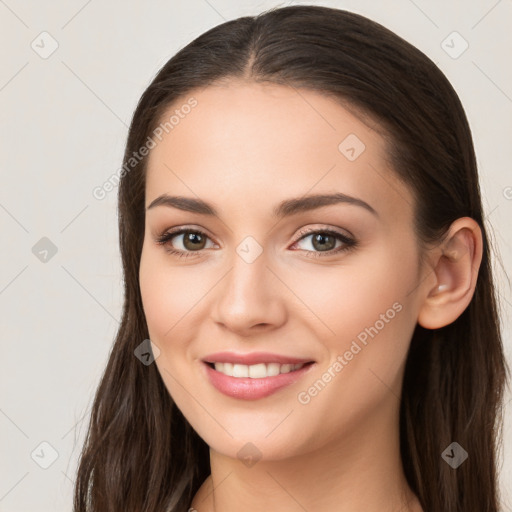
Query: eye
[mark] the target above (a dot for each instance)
(324, 241)
(192, 240)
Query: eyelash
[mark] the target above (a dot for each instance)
(350, 243)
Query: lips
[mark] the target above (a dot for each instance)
(253, 358)
(247, 388)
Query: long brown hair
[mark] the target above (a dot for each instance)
(140, 453)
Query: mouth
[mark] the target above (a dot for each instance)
(256, 371)
(254, 382)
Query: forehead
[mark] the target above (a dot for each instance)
(248, 144)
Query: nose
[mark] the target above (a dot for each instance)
(250, 297)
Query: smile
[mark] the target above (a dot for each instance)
(255, 371)
(252, 382)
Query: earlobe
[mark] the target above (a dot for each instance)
(455, 271)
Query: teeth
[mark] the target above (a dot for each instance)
(256, 371)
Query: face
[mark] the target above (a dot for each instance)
(332, 283)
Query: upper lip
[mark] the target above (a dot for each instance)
(253, 358)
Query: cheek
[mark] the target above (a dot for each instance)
(364, 316)
(168, 298)
(370, 324)
(347, 298)
(168, 294)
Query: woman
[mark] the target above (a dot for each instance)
(303, 243)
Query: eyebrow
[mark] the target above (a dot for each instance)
(286, 208)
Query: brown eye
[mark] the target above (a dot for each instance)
(324, 242)
(192, 240)
(183, 242)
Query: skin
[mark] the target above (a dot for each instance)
(245, 148)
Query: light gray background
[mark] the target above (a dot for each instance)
(63, 127)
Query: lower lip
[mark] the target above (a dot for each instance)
(246, 388)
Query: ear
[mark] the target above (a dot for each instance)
(455, 270)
